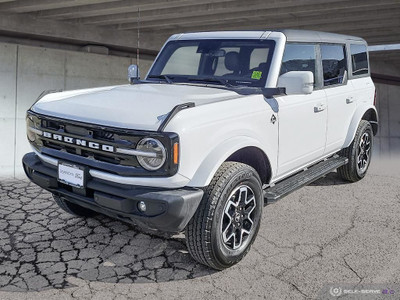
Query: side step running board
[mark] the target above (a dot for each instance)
(303, 178)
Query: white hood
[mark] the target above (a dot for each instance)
(140, 106)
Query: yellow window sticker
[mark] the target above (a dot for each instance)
(256, 75)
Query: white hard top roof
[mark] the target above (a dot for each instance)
(292, 35)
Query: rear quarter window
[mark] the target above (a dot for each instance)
(359, 59)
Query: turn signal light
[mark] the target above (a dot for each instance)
(176, 153)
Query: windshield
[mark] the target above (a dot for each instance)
(227, 62)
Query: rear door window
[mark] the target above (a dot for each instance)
(334, 64)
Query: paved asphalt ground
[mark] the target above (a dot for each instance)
(328, 234)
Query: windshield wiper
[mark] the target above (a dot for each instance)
(166, 77)
(224, 82)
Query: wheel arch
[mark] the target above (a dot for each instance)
(255, 158)
(369, 114)
(239, 149)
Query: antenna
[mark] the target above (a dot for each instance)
(138, 36)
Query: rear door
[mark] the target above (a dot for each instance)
(360, 79)
(302, 118)
(341, 98)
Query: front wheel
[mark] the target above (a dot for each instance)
(226, 223)
(359, 153)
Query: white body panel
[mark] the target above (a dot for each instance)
(346, 106)
(141, 106)
(342, 103)
(364, 90)
(210, 134)
(302, 130)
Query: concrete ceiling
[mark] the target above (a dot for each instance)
(114, 23)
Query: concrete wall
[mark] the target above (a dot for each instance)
(26, 71)
(387, 142)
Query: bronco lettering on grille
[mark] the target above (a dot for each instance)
(78, 142)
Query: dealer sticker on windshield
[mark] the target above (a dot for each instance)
(256, 75)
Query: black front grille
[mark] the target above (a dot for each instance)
(100, 136)
(109, 137)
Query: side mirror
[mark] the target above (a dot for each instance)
(133, 74)
(297, 82)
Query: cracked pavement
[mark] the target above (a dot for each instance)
(330, 232)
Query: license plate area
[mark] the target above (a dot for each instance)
(72, 175)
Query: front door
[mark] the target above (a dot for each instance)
(302, 130)
(302, 118)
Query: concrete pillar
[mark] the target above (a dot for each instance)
(8, 70)
(387, 142)
(38, 69)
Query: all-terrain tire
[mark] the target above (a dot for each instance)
(353, 171)
(218, 217)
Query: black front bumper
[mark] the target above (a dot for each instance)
(167, 210)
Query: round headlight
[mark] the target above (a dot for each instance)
(154, 154)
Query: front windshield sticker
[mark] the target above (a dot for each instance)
(256, 75)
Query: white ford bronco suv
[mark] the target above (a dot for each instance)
(223, 123)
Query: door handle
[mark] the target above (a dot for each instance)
(349, 100)
(319, 107)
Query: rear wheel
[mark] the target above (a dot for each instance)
(359, 153)
(73, 208)
(227, 221)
